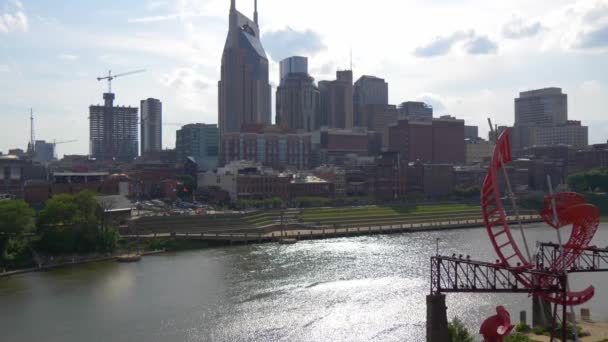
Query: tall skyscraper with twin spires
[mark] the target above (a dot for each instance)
(244, 89)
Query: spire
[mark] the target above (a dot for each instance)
(32, 136)
(232, 15)
(255, 11)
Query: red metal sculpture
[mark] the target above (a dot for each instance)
(571, 209)
(495, 328)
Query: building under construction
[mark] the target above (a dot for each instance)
(112, 131)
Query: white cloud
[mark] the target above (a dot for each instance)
(442, 45)
(156, 4)
(191, 87)
(289, 42)
(4, 68)
(435, 100)
(68, 57)
(518, 28)
(171, 47)
(481, 45)
(14, 20)
(165, 17)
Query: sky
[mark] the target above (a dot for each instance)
(468, 58)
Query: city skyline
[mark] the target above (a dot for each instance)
(514, 48)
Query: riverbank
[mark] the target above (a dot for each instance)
(75, 260)
(174, 242)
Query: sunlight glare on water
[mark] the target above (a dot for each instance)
(369, 288)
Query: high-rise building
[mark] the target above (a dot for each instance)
(416, 111)
(368, 90)
(112, 131)
(541, 119)
(548, 106)
(293, 65)
(297, 98)
(571, 134)
(471, 132)
(378, 117)
(244, 89)
(43, 152)
(151, 126)
(336, 110)
(199, 141)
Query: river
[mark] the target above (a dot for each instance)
(369, 288)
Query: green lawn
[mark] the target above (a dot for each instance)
(390, 215)
(421, 212)
(370, 215)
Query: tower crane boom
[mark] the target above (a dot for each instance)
(111, 77)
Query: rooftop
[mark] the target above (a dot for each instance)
(541, 92)
(307, 179)
(65, 174)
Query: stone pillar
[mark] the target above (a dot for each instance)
(436, 318)
(541, 312)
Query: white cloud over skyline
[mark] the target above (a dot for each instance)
(471, 56)
(13, 18)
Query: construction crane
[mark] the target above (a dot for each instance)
(110, 77)
(55, 143)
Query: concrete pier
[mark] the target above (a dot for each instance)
(436, 319)
(541, 312)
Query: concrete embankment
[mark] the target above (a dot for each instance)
(300, 232)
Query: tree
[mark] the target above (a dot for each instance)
(458, 332)
(106, 204)
(71, 223)
(592, 180)
(16, 218)
(469, 192)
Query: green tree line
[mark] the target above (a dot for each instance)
(595, 180)
(67, 224)
(594, 185)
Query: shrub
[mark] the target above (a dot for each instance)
(540, 330)
(458, 332)
(522, 327)
(518, 337)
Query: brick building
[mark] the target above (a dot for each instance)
(310, 186)
(438, 141)
(246, 180)
(331, 146)
(389, 177)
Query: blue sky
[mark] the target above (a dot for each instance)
(469, 58)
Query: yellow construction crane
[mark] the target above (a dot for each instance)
(110, 77)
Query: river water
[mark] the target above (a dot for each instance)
(369, 288)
